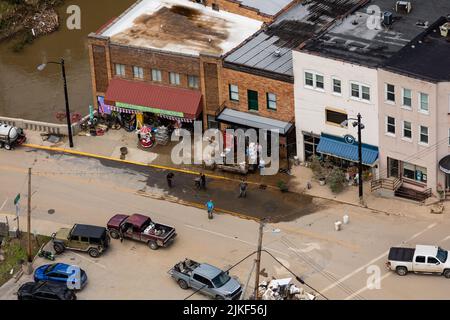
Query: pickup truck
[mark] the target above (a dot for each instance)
(207, 279)
(141, 228)
(422, 259)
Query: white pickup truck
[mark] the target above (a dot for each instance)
(422, 259)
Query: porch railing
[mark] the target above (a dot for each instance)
(391, 184)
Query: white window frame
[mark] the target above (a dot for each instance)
(157, 78)
(420, 136)
(231, 92)
(404, 106)
(196, 81)
(332, 86)
(139, 74)
(176, 78)
(420, 103)
(122, 71)
(409, 139)
(387, 126)
(386, 93)
(360, 92)
(271, 101)
(314, 79)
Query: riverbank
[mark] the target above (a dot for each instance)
(23, 22)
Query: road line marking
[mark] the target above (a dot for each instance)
(374, 260)
(3, 205)
(366, 288)
(233, 238)
(445, 239)
(91, 261)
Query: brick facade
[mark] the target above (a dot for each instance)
(284, 92)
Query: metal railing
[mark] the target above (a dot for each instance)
(412, 194)
(391, 184)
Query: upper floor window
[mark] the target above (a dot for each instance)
(138, 72)
(120, 70)
(407, 131)
(174, 78)
(390, 92)
(390, 125)
(337, 86)
(234, 92)
(314, 80)
(423, 102)
(271, 101)
(335, 117)
(360, 91)
(193, 82)
(407, 98)
(423, 135)
(156, 75)
(252, 97)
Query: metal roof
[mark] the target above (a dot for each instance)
(270, 49)
(84, 230)
(253, 121)
(151, 98)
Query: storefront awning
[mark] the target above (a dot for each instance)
(253, 121)
(146, 97)
(444, 164)
(337, 147)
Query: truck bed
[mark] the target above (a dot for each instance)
(401, 254)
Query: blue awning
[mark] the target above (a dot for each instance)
(337, 147)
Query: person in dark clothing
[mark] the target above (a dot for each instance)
(243, 189)
(169, 178)
(202, 181)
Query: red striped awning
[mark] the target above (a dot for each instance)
(153, 98)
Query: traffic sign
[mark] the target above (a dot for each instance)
(17, 199)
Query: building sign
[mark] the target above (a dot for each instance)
(349, 139)
(148, 109)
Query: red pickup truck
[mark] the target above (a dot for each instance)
(141, 228)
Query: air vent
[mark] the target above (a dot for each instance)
(277, 53)
(388, 18)
(403, 7)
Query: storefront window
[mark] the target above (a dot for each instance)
(311, 143)
(413, 172)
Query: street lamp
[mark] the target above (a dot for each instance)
(357, 122)
(63, 69)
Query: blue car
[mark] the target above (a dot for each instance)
(61, 272)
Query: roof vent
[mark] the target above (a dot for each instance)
(277, 53)
(403, 7)
(388, 18)
(445, 29)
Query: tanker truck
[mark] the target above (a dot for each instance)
(10, 136)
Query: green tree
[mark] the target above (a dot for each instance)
(336, 180)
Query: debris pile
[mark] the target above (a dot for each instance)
(283, 289)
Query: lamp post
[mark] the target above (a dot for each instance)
(357, 122)
(66, 95)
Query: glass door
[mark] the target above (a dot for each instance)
(393, 168)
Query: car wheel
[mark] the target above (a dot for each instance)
(58, 247)
(402, 271)
(94, 253)
(219, 298)
(114, 234)
(153, 245)
(7, 146)
(183, 284)
(447, 273)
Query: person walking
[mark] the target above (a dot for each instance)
(202, 180)
(243, 189)
(210, 208)
(169, 178)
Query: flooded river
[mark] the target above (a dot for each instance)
(30, 94)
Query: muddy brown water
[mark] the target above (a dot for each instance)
(30, 94)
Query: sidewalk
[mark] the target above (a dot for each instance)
(392, 206)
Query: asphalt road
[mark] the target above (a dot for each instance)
(67, 190)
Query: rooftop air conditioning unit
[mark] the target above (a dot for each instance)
(403, 7)
(444, 29)
(388, 18)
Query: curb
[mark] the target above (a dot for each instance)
(155, 166)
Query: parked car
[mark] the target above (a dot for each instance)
(86, 238)
(44, 290)
(207, 279)
(10, 136)
(141, 228)
(422, 259)
(59, 272)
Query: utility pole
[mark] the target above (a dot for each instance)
(360, 166)
(258, 258)
(30, 259)
(66, 96)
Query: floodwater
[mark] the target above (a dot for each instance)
(30, 94)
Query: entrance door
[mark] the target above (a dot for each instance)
(447, 181)
(393, 168)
